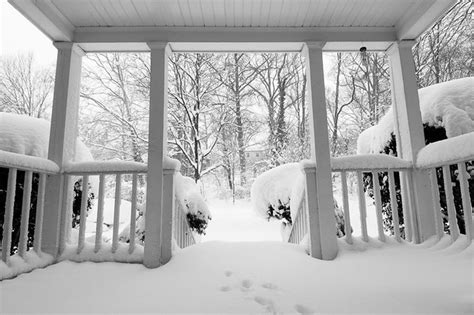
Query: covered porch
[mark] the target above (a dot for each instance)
(163, 27)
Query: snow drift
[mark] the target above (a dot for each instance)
(449, 105)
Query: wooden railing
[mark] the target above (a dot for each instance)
(182, 233)
(174, 222)
(85, 171)
(437, 157)
(31, 167)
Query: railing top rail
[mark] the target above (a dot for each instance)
(447, 152)
(27, 163)
(369, 162)
(104, 167)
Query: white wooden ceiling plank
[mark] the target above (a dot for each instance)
(320, 11)
(310, 11)
(117, 9)
(219, 12)
(348, 7)
(258, 18)
(174, 13)
(239, 13)
(356, 15)
(70, 12)
(194, 7)
(288, 13)
(185, 16)
(274, 13)
(247, 7)
(365, 14)
(109, 19)
(144, 12)
(101, 17)
(229, 13)
(132, 16)
(334, 15)
(207, 11)
(301, 8)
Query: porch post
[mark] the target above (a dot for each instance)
(156, 152)
(62, 139)
(410, 137)
(324, 202)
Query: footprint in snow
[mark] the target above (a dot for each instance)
(246, 284)
(225, 288)
(267, 303)
(301, 309)
(269, 286)
(228, 273)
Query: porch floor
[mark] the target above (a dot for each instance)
(260, 277)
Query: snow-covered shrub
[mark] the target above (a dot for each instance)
(278, 194)
(447, 110)
(188, 199)
(30, 136)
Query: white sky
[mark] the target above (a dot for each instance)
(18, 35)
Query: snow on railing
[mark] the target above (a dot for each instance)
(98, 251)
(16, 256)
(450, 163)
(372, 165)
(299, 228)
(182, 233)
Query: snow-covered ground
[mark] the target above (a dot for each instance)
(239, 223)
(261, 277)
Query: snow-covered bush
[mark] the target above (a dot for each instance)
(30, 136)
(188, 199)
(447, 111)
(278, 194)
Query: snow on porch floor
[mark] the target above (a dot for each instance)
(260, 277)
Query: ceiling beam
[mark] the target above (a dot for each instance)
(46, 17)
(421, 17)
(232, 35)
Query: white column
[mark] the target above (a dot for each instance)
(156, 152)
(410, 137)
(62, 140)
(320, 149)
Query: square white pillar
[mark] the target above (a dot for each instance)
(320, 154)
(157, 142)
(62, 139)
(410, 137)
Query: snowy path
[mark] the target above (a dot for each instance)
(239, 223)
(261, 277)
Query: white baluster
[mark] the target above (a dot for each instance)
(378, 205)
(345, 205)
(466, 200)
(406, 205)
(362, 207)
(100, 214)
(8, 218)
(133, 214)
(448, 190)
(436, 203)
(25, 214)
(39, 213)
(115, 231)
(394, 204)
(83, 218)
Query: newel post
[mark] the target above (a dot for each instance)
(319, 182)
(62, 144)
(410, 138)
(171, 167)
(156, 152)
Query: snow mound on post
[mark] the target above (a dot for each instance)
(449, 105)
(189, 197)
(284, 184)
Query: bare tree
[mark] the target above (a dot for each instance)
(25, 88)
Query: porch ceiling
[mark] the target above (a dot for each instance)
(134, 22)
